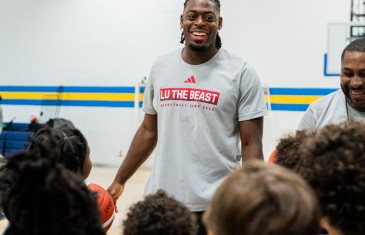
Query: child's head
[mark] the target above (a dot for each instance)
(70, 146)
(43, 197)
(333, 163)
(287, 150)
(159, 214)
(263, 199)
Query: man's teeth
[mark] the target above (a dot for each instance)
(199, 34)
(357, 92)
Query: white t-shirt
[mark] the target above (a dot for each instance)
(199, 108)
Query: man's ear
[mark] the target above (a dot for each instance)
(220, 23)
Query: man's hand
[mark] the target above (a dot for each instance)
(115, 190)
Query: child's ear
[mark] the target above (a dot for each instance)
(324, 224)
(210, 232)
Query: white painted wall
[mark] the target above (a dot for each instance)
(286, 41)
(113, 43)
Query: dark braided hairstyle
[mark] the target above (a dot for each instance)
(43, 197)
(70, 144)
(218, 41)
(217, 4)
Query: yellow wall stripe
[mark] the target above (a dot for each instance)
(69, 96)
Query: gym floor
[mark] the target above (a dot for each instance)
(133, 192)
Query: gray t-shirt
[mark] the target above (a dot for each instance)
(353, 114)
(330, 109)
(199, 108)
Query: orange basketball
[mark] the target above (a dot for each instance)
(105, 204)
(272, 158)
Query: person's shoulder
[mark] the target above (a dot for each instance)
(224, 53)
(333, 96)
(166, 59)
(234, 59)
(168, 56)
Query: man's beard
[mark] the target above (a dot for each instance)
(355, 105)
(198, 48)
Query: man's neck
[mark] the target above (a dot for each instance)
(356, 107)
(196, 58)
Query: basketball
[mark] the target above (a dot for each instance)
(105, 204)
(272, 158)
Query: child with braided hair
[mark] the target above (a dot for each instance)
(43, 197)
(71, 145)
